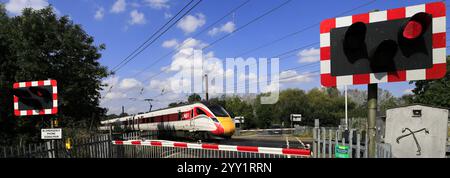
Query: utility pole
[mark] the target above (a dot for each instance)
(206, 85)
(372, 97)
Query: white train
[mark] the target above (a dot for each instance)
(198, 120)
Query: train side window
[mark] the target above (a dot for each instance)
(179, 115)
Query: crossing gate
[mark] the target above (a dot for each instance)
(171, 149)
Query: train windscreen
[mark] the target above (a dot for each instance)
(218, 110)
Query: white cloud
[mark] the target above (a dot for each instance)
(15, 7)
(167, 15)
(129, 83)
(115, 95)
(309, 55)
(119, 6)
(99, 14)
(183, 63)
(183, 58)
(226, 28)
(190, 23)
(158, 4)
(137, 17)
(159, 85)
(408, 91)
(135, 4)
(173, 43)
(291, 76)
(110, 82)
(193, 43)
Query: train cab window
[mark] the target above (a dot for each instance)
(200, 112)
(218, 110)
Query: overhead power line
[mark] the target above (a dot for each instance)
(190, 39)
(276, 40)
(147, 45)
(149, 38)
(227, 35)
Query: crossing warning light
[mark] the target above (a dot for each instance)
(402, 44)
(35, 98)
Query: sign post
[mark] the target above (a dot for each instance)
(372, 98)
(40, 97)
(295, 118)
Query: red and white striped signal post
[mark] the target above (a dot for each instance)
(38, 98)
(35, 98)
(402, 44)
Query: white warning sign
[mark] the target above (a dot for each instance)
(49, 134)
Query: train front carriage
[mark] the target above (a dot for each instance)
(199, 121)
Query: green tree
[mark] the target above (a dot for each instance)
(237, 107)
(264, 113)
(39, 45)
(328, 106)
(194, 98)
(291, 101)
(434, 92)
(175, 104)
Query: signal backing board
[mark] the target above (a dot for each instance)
(29, 94)
(402, 44)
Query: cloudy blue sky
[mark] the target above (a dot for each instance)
(122, 25)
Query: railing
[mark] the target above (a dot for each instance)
(93, 147)
(96, 146)
(326, 140)
(170, 149)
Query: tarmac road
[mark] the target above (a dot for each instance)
(277, 141)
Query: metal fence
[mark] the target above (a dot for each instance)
(142, 145)
(96, 146)
(93, 147)
(326, 140)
